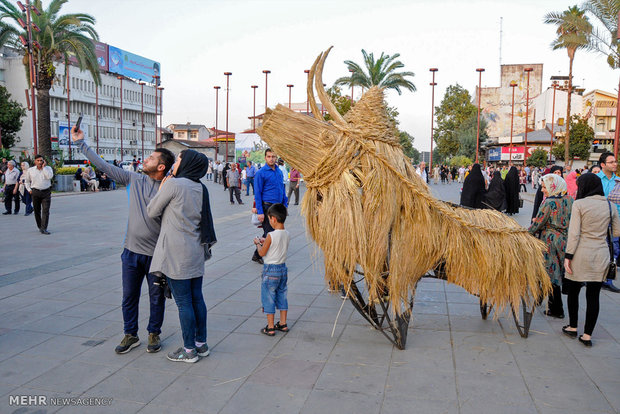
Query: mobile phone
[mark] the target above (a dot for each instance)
(78, 123)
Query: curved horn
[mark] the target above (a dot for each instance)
(327, 103)
(311, 100)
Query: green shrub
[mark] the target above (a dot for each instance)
(66, 170)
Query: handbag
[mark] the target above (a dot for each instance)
(255, 220)
(610, 272)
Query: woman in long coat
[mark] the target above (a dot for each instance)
(552, 224)
(474, 188)
(587, 253)
(496, 194)
(511, 184)
(183, 246)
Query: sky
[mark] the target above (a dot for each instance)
(197, 41)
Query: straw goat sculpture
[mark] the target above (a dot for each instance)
(367, 208)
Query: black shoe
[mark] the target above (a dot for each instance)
(44, 231)
(16, 212)
(6, 213)
(553, 315)
(586, 342)
(257, 259)
(27, 214)
(610, 287)
(571, 334)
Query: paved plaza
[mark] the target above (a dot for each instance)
(60, 319)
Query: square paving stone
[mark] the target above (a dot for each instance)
(55, 324)
(330, 401)
(20, 369)
(410, 383)
(135, 384)
(287, 370)
(393, 405)
(71, 377)
(257, 398)
(353, 378)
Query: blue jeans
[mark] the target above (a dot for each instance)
(135, 268)
(192, 310)
(250, 181)
(273, 288)
(27, 199)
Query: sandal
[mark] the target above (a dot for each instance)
(268, 331)
(281, 327)
(572, 334)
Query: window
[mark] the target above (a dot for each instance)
(1, 75)
(193, 135)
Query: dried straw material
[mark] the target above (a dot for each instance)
(366, 207)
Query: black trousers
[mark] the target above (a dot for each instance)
(10, 197)
(554, 302)
(292, 188)
(41, 201)
(237, 193)
(593, 292)
(266, 226)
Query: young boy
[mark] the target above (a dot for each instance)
(273, 250)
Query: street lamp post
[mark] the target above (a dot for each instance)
(617, 118)
(121, 79)
(552, 121)
(142, 116)
(527, 109)
(254, 109)
(513, 85)
(68, 104)
(290, 87)
(479, 70)
(161, 109)
(433, 84)
(307, 72)
(227, 93)
(97, 116)
(217, 103)
(156, 79)
(266, 72)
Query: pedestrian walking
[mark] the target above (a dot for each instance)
(587, 252)
(140, 240)
(609, 164)
(250, 177)
(511, 184)
(184, 243)
(26, 197)
(233, 178)
(474, 188)
(11, 188)
(495, 196)
(551, 226)
(293, 186)
(39, 185)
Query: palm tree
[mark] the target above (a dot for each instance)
(573, 30)
(61, 36)
(378, 73)
(605, 41)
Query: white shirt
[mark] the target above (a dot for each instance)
(278, 247)
(39, 179)
(11, 176)
(220, 168)
(284, 173)
(244, 174)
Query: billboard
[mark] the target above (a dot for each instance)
(495, 154)
(101, 51)
(132, 66)
(64, 133)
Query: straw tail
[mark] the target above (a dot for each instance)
(367, 209)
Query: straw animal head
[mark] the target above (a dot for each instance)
(369, 211)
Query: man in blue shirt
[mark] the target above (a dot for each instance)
(250, 177)
(608, 177)
(269, 186)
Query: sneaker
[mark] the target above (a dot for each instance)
(181, 356)
(202, 351)
(154, 343)
(127, 344)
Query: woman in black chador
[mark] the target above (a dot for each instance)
(496, 195)
(473, 188)
(511, 184)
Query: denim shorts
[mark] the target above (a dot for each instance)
(273, 288)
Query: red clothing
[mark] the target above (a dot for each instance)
(294, 176)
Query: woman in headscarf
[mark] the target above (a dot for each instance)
(183, 245)
(587, 252)
(511, 184)
(496, 195)
(556, 169)
(571, 184)
(26, 197)
(552, 223)
(473, 188)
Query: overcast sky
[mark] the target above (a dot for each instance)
(197, 41)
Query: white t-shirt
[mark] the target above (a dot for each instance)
(244, 174)
(278, 248)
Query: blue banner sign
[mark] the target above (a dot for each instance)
(132, 66)
(495, 154)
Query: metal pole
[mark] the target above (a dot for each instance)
(97, 116)
(552, 122)
(513, 84)
(217, 100)
(227, 93)
(527, 112)
(289, 95)
(617, 119)
(479, 70)
(32, 79)
(254, 109)
(156, 77)
(68, 104)
(307, 72)
(266, 72)
(433, 84)
(161, 109)
(121, 79)
(142, 116)
(351, 86)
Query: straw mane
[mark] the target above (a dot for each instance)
(367, 208)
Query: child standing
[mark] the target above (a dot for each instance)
(273, 286)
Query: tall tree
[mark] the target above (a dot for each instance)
(380, 72)
(573, 30)
(605, 39)
(61, 36)
(455, 108)
(581, 135)
(467, 135)
(11, 114)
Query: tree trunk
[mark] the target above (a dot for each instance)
(43, 123)
(568, 102)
